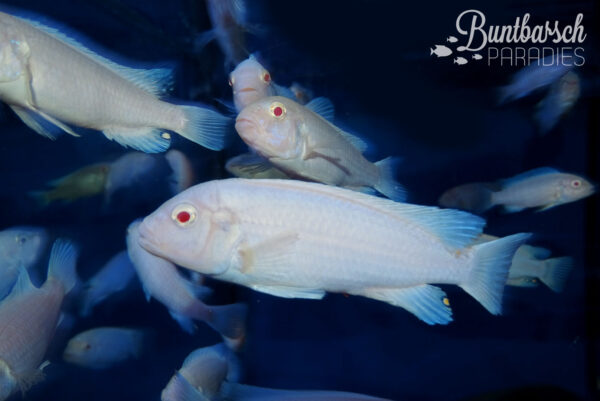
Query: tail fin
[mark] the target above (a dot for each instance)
(556, 271)
(489, 270)
(179, 389)
(431, 49)
(230, 320)
(61, 266)
(387, 185)
(206, 127)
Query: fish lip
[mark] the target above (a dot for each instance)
(245, 90)
(145, 239)
(240, 123)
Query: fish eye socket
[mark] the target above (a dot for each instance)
(277, 110)
(184, 215)
(265, 77)
(576, 183)
(87, 346)
(21, 240)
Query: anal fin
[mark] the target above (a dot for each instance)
(145, 139)
(427, 302)
(290, 292)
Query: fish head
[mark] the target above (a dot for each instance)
(77, 350)
(250, 82)
(22, 246)
(189, 230)
(272, 127)
(8, 383)
(573, 187)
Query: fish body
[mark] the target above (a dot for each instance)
(127, 170)
(302, 143)
(561, 97)
(28, 319)
(115, 276)
(451, 39)
(537, 75)
(460, 61)
(441, 51)
(298, 240)
(183, 175)
(104, 347)
(477, 57)
(541, 188)
(161, 280)
(532, 263)
(20, 248)
(229, 21)
(58, 82)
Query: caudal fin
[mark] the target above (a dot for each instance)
(230, 321)
(556, 272)
(61, 267)
(489, 270)
(387, 184)
(206, 127)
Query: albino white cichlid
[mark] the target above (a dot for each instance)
(542, 188)
(300, 141)
(28, 319)
(51, 81)
(532, 263)
(297, 239)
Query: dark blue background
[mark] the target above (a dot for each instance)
(371, 58)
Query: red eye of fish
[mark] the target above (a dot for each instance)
(576, 183)
(183, 217)
(266, 77)
(277, 111)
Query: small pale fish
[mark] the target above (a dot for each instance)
(561, 97)
(440, 51)
(539, 74)
(53, 82)
(541, 188)
(204, 370)
(298, 239)
(115, 276)
(104, 347)
(251, 165)
(250, 82)
(532, 264)
(476, 56)
(451, 39)
(460, 61)
(128, 170)
(85, 182)
(20, 247)
(28, 319)
(229, 22)
(183, 175)
(301, 142)
(461, 48)
(161, 280)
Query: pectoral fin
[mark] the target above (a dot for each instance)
(270, 257)
(336, 161)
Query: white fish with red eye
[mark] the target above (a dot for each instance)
(28, 320)
(52, 83)
(541, 188)
(301, 142)
(251, 82)
(297, 239)
(115, 276)
(104, 347)
(532, 263)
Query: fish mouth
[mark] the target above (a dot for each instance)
(245, 90)
(146, 240)
(246, 128)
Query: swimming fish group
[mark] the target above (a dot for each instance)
(308, 214)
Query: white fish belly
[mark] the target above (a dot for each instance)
(340, 245)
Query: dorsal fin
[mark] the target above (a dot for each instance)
(355, 141)
(22, 285)
(158, 81)
(322, 106)
(529, 174)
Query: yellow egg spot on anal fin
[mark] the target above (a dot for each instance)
(446, 301)
(165, 135)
